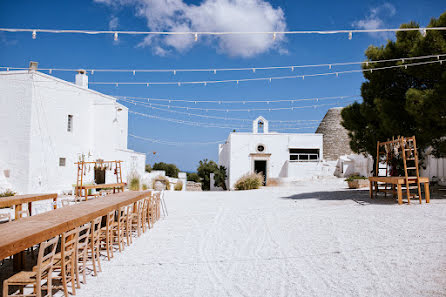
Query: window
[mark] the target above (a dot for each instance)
(260, 148)
(70, 123)
(260, 127)
(62, 161)
(304, 155)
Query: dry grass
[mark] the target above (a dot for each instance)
(249, 182)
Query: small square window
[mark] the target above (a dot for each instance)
(62, 161)
(70, 123)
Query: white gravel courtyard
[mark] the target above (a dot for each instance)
(314, 239)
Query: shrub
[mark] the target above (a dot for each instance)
(249, 181)
(148, 168)
(144, 187)
(7, 193)
(134, 183)
(193, 177)
(170, 169)
(164, 180)
(178, 186)
(205, 168)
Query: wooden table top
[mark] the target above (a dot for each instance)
(397, 179)
(102, 186)
(20, 199)
(19, 235)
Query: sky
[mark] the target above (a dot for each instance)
(197, 141)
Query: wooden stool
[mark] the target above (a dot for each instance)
(95, 240)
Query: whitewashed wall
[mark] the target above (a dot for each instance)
(240, 146)
(39, 136)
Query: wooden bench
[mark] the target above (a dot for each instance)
(18, 200)
(79, 189)
(397, 181)
(19, 235)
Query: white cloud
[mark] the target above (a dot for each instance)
(211, 15)
(376, 20)
(113, 23)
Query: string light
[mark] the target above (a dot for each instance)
(321, 32)
(116, 36)
(274, 36)
(34, 34)
(214, 70)
(244, 101)
(174, 143)
(196, 36)
(350, 35)
(423, 32)
(265, 78)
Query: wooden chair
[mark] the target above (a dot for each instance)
(94, 245)
(107, 234)
(65, 203)
(82, 252)
(145, 215)
(5, 217)
(65, 261)
(119, 229)
(42, 270)
(130, 215)
(135, 218)
(23, 213)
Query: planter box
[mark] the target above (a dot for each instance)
(358, 183)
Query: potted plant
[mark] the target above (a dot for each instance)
(356, 182)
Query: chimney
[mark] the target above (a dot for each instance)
(33, 66)
(82, 78)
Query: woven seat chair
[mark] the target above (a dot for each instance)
(107, 234)
(130, 214)
(118, 229)
(82, 252)
(65, 261)
(94, 245)
(136, 219)
(42, 270)
(145, 215)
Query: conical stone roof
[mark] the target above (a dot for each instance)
(336, 139)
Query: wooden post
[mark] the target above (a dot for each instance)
(426, 192)
(371, 189)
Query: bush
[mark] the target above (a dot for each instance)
(134, 183)
(353, 177)
(144, 187)
(249, 182)
(205, 168)
(193, 177)
(7, 193)
(148, 168)
(170, 169)
(164, 180)
(178, 186)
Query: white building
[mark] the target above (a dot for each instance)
(285, 156)
(47, 124)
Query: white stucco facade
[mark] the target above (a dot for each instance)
(35, 137)
(287, 155)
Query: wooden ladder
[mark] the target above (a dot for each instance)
(410, 154)
(118, 172)
(79, 178)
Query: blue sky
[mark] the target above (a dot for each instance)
(136, 52)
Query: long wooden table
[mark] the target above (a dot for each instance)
(19, 200)
(19, 235)
(100, 186)
(397, 181)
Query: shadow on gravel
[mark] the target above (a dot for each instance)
(358, 196)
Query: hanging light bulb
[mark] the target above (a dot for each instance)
(215, 71)
(329, 66)
(402, 60)
(134, 72)
(270, 79)
(350, 35)
(51, 71)
(179, 84)
(7, 69)
(116, 85)
(174, 72)
(34, 34)
(423, 32)
(116, 36)
(274, 36)
(205, 83)
(292, 68)
(147, 84)
(253, 70)
(337, 74)
(405, 66)
(92, 72)
(196, 36)
(303, 77)
(367, 64)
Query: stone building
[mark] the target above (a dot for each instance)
(336, 139)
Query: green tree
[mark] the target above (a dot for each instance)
(220, 177)
(170, 169)
(193, 177)
(402, 101)
(205, 168)
(148, 168)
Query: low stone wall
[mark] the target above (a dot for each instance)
(193, 186)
